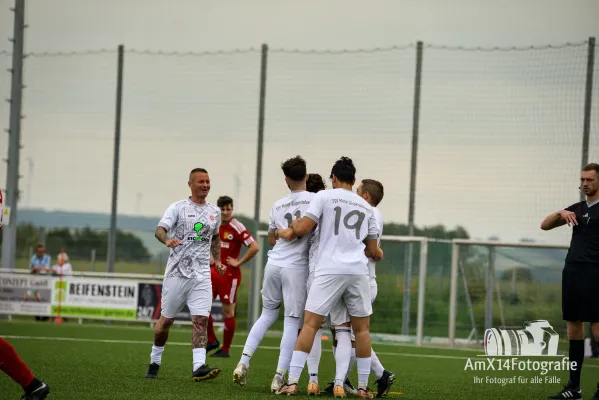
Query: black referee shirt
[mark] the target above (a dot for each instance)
(584, 246)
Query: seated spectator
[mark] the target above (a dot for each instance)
(40, 261)
(63, 267)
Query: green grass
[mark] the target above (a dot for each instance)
(98, 366)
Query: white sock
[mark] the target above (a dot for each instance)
(156, 355)
(290, 331)
(352, 362)
(298, 360)
(376, 366)
(267, 318)
(199, 358)
(363, 371)
(314, 356)
(342, 355)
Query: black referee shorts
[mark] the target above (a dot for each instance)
(580, 293)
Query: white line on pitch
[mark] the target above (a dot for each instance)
(120, 341)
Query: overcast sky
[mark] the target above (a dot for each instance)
(500, 131)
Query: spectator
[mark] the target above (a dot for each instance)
(40, 264)
(40, 261)
(63, 267)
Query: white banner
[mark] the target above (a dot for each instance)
(95, 297)
(26, 294)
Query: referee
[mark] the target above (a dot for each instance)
(580, 277)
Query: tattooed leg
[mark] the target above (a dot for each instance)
(199, 336)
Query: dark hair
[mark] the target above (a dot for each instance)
(375, 189)
(39, 246)
(224, 201)
(295, 168)
(344, 170)
(315, 183)
(193, 171)
(591, 167)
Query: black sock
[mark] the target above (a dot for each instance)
(576, 354)
(33, 385)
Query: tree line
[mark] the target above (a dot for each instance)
(79, 243)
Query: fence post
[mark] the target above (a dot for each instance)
(115, 167)
(9, 232)
(255, 279)
(490, 289)
(588, 100)
(453, 292)
(93, 260)
(405, 319)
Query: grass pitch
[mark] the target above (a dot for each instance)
(95, 361)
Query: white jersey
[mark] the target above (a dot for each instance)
(371, 263)
(345, 221)
(289, 253)
(194, 225)
(313, 243)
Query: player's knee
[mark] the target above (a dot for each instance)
(575, 330)
(164, 323)
(270, 315)
(342, 335)
(229, 310)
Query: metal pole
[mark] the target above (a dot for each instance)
(490, 289)
(9, 231)
(115, 168)
(254, 303)
(405, 320)
(588, 100)
(421, 291)
(93, 260)
(453, 292)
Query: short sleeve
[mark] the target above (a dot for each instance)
(170, 217)
(272, 226)
(573, 207)
(316, 207)
(373, 227)
(31, 262)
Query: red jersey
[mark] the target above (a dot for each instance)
(232, 235)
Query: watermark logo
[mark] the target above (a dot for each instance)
(508, 348)
(534, 338)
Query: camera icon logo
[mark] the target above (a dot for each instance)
(534, 338)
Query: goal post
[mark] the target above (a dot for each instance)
(386, 314)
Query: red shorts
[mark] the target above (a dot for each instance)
(225, 286)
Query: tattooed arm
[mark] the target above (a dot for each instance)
(215, 248)
(215, 254)
(199, 335)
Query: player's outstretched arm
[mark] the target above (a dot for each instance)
(373, 250)
(557, 219)
(299, 228)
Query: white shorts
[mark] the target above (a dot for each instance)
(327, 318)
(178, 291)
(374, 290)
(287, 285)
(341, 296)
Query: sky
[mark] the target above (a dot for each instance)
(500, 132)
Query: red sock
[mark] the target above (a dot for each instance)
(211, 334)
(11, 363)
(230, 324)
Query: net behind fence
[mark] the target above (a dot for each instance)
(526, 287)
(501, 137)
